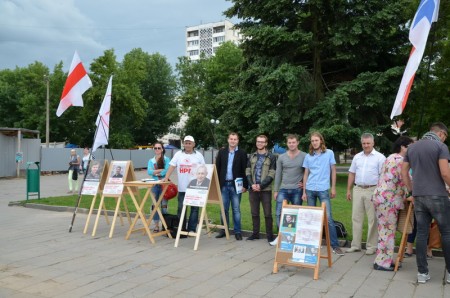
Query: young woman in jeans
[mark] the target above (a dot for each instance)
(157, 169)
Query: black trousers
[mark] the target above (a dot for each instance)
(264, 198)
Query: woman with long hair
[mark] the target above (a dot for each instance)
(157, 169)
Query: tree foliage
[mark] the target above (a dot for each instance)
(143, 100)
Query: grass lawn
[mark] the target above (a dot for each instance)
(341, 208)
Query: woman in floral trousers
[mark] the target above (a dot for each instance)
(388, 200)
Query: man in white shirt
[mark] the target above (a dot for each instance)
(186, 162)
(363, 175)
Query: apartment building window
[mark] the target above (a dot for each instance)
(219, 39)
(219, 29)
(192, 33)
(192, 43)
(193, 53)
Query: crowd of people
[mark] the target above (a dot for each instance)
(377, 188)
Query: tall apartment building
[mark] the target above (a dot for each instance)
(206, 38)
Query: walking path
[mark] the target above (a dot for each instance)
(40, 258)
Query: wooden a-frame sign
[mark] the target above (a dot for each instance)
(119, 172)
(213, 196)
(300, 237)
(103, 178)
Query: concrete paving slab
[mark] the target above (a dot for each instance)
(39, 258)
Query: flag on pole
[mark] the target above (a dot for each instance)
(77, 83)
(418, 34)
(102, 135)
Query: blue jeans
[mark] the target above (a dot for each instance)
(193, 216)
(229, 196)
(426, 208)
(324, 197)
(293, 196)
(157, 190)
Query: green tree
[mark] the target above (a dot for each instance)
(201, 85)
(326, 63)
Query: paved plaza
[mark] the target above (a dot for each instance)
(40, 258)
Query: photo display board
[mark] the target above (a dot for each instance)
(114, 183)
(198, 187)
(300, 237)
(95, 174)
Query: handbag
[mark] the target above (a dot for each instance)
(171, 191)
(75, 174)
(434, 240)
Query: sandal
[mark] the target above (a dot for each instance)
(407, 255)
(156, 230)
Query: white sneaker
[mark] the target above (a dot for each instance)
(274, 242)
(447, 274)
(423, 277)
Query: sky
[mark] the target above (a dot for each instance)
(49, 31)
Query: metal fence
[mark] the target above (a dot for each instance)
(57, 159)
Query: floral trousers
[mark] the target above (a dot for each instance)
(387, 215)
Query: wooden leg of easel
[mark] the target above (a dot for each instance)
(275, 267)
(105, 212)
(119, 199)
(102, 201)
(401, 249)
(208, 230)
(89, 214)
(125, 206)
(183, 212)
(199, 228)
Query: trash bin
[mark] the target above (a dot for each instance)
(33, 180)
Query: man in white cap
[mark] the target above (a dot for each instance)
(186, 162)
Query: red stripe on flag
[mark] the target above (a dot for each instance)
(74, 77)
(408, 89)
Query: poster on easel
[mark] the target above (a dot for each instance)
(300, 237)
(117, 171)
(202, 190)
(308, 236)
(198, 188)
(96, 171)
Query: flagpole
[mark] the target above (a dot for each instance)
(422, 110)
(77, 204)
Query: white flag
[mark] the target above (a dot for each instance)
(76, 84)
(101, 138)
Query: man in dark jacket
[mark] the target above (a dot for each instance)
(260, 173)
(231, 163)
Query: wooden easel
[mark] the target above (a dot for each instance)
(401, 249)
(286, 255)
(103, 177)
(113, 189)
(214, 196)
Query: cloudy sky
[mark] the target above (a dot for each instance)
(50, 31)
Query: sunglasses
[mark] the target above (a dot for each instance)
(157, 148)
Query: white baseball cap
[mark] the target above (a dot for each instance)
(189, 138)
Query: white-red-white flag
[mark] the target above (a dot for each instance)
(426, 14)
(102, 135)
(77, 83)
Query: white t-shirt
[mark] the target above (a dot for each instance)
(86, 160)
(186, 165)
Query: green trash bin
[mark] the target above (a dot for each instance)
(33, 180)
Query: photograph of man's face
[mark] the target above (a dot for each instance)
(201, 174)
(118, 170)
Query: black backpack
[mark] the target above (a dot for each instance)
(340, 229)
(172, 222)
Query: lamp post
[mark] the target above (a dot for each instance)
(47, 121)
(214, 123)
